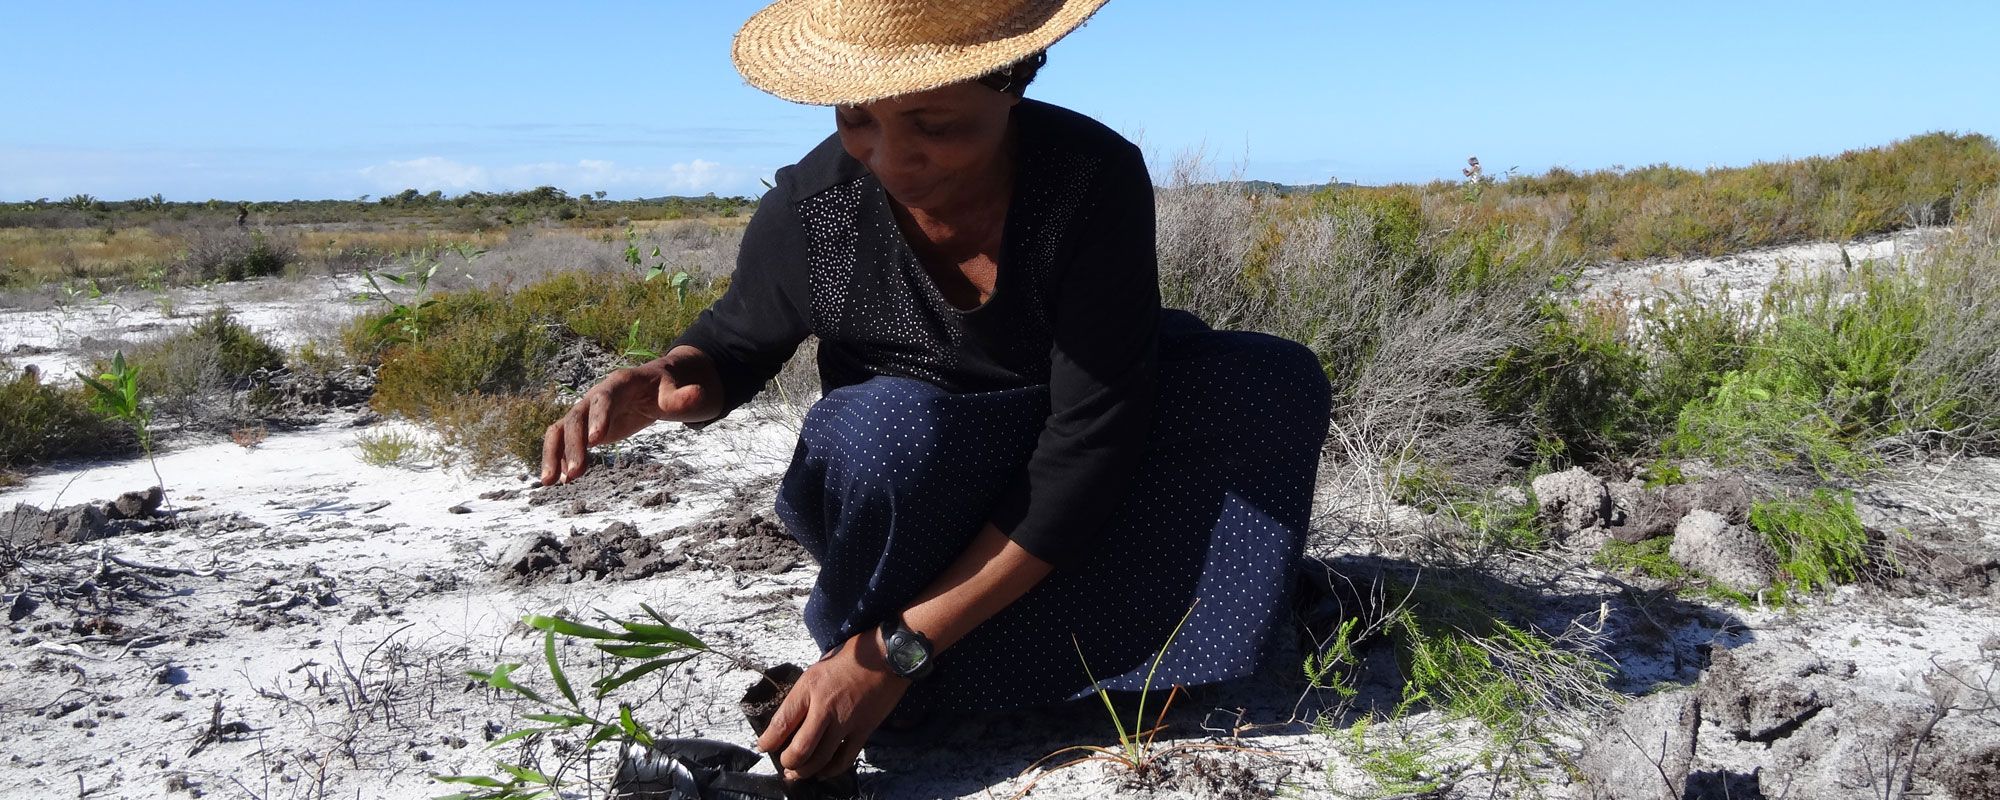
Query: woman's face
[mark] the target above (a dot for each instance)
(931, 150)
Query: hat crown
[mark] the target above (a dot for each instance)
(917, 23)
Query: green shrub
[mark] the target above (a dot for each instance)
(1460, 656)
(1818, 538)
(191, 376)
(493, 432)
(1690, 341)
(240, 352)
(40, 423)
(478, 370)
(387, 448)
(1573, 386)
(1648, 558)
(1825, 380)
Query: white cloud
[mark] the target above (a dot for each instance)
(699, 176)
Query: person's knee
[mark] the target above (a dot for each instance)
(884, 429)
(1294, 364)
(1272, 361)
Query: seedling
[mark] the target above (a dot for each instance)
(680, 279)
(654, 644)
(1135, 750)
(116, 394)
(405, 317)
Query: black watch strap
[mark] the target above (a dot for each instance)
(910, 653)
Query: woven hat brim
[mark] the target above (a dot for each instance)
(777, 52)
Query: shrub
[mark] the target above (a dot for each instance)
(1573, 386)
(480, 371)
(1826, 382)
(1819, 539)
(387, 448)
(240, 352)
(232, 254)
(40, 423)
(1649, 558)
(494, 432)
(1690, 342)
(1958, 360)
(192, 376)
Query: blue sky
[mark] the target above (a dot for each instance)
(196, 99)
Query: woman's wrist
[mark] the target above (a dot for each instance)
(867, 651)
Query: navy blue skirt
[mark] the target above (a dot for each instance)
(893, 478)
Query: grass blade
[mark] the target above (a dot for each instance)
(1139, 719)
(522, 734)
(469, 780)
(1105, 696)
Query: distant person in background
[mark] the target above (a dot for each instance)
(1018, 453)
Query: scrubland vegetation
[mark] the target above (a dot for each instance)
(1464, 367)
(151, 242)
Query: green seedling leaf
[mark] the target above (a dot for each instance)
(632, 727)
(1106, 697)
(603, 734)
(637, 650)
(1139, 719)
(522, 734)
(395, 279)
(660, 634)
(499, 679)
(565, 720)
(605, 685)
(525, 774)
(567, 628)
(470, 780)
(555, 669)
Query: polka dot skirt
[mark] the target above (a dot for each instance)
(893, 477)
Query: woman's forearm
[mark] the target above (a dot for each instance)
(990, 575)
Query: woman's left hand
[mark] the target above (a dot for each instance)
(837, 703)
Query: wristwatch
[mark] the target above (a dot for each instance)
(910, 654)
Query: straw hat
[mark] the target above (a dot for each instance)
(838, 52)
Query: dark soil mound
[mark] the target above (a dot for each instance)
(619, 552)
(611, 485)
(745, 541)
(306, 394)
(132, 512)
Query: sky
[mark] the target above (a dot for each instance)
(272, 101)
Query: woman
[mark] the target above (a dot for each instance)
(1020, 464)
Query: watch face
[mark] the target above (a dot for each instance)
(905, 655)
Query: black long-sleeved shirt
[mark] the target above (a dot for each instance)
(1075, 305)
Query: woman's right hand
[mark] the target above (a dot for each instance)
(681, 387)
